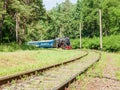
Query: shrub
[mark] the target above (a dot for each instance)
(110, 44)
(13, 47)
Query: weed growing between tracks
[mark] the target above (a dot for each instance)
(117, 62)
(104, 75)
(99, 68)
(15, 62)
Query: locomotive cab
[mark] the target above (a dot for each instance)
(63, 43)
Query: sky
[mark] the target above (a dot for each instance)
(49, 4)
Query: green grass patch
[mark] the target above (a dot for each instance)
(19, 61)
(118, 75)
(98, 68)
(108, 65)
(117, 63)
(11, 47)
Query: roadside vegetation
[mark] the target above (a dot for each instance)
(110, 44)
(19, 61)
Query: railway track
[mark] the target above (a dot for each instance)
(55, 77)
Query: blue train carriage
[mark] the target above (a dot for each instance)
(43, 44)
(63, 43)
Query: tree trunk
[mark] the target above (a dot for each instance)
(80, 29)
(0, 30)
(2, 18)
(41, 36)
(100, 16)
(17, 28)
(61, 32)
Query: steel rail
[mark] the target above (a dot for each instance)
(73, 78)
(6, 79)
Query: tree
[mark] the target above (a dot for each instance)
(18, 16)
(23, 20)
(62, 18)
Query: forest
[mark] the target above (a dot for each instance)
(28, 20)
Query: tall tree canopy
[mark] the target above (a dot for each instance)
(24, 20)
(20, 18)
(66, 18)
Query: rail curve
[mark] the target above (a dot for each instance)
(6, 79)
(55, 77)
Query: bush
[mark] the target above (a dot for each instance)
(86, 43)
(111, 43)
(13, 47)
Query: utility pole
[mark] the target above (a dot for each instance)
(100, 16)
(41, 38)
(80, 29)
(81, 22)
(17, 28)
(61, 31)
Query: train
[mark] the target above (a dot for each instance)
(63, 43)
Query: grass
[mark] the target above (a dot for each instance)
(11, 47)
(98, 69)
(118, 75)
(117, 63)
(19, 61)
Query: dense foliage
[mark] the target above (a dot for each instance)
(67, 17)
(25, 20)
(111, 43)
(21, 20)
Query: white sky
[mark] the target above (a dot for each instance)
(49, 4)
